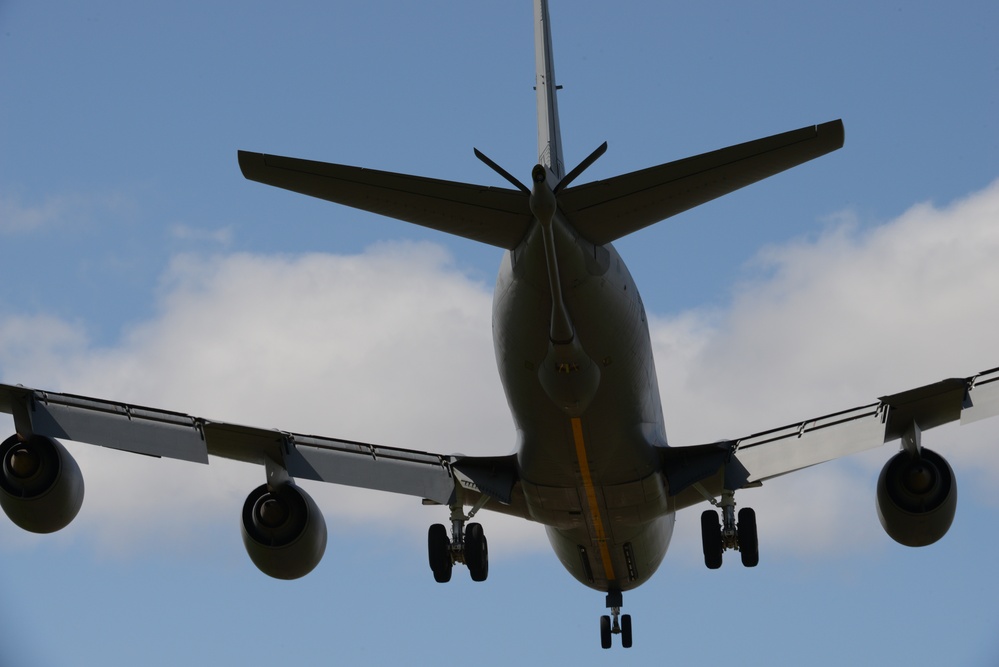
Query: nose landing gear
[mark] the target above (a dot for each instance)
(616, 623)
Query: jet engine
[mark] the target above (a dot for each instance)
(41, 486)
(917, 498)
(283, 531)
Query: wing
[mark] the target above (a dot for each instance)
(603, 211)
(497, 216)
(436, 478)
(753, 459)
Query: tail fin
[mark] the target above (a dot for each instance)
(549, 135)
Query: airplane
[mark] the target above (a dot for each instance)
(592, 462)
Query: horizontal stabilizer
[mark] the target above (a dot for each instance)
(497, 216)
(603, 211)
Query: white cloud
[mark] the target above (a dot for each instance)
(833, 323)
(839, 317)
(394, 346)
(31, 342)
(17, 217)
(221, 236)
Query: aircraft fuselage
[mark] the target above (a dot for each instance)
(591, 474)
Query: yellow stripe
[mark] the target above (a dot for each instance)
(591, 498)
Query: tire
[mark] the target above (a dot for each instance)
(711, 539)
(476, 552)
(626, 630)
(439, 551)
(605, 632)
(749, 541)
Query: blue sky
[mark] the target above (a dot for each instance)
(141, 266)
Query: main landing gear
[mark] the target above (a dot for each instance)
(616, 623)
(467, 545)
(742, 536)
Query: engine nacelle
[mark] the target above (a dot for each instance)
(283, 531)
(916, 498)
(41, 486)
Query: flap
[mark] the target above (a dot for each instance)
(780, 451)
(389, 469)
(109, 424)
(783, 450)
(174, 435)
(982, 400)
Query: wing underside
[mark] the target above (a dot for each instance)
(162, 433)
(780, 451)
(692, 472)
(753, 459)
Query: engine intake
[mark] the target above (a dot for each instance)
(916, 498)
(41, 486)
(283, 531)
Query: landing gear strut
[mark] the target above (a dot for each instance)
(741, 536)
(467, 545)
(616, 623)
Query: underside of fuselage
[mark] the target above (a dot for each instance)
(587, 455)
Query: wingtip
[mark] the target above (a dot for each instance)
(834, 131)
(249, 163)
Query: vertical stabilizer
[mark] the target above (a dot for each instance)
(549, 136)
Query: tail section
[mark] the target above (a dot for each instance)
(600, 211)
(549, 135)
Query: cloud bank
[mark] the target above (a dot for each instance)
(394, 346)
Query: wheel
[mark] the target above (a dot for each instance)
(439, 549)
(626, 630)
(749, 541)
(605, 632)
(711, 539)
(476, 552)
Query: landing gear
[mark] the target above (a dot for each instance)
(616, 623)
(467, 545)
(711, 539)
(476, 552)
(439, 548)
(749, 541)
(716, 538)
(605, 632)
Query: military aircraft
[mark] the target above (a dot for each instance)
(591, 462)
